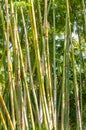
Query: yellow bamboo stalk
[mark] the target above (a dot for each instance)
(3, 121)
(6, 34)
(6, 112)
(30, 69)
(38, 61)
(24, 76)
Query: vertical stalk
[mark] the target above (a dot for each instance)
(54, 68)
(63, 91)
(84, 11)
(3, 121)
(37, 54)
(9, 62)
(79, 122)
(6, 112)
(48, 72)
(30, 69)
(67, 79)
(81, 67)
(25, 82)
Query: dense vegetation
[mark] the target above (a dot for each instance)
(42, 64)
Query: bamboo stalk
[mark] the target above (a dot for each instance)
(8, 56)
(43, 62)
(84, 12)
(54, 68)
(30, 69)
(81, 66)
(3, 121)
(25, 82)
(79, 122)
(48, 73)
(39, 70)
(6, 112)
(63, 91)
(67, 79)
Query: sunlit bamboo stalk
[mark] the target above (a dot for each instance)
(63, 90)
(39, 69)
(48, 74)
(81, 67)
(67, 78)
(8, 57)
(6, 112)
(25, 82)
(30, 69)
(3, 120)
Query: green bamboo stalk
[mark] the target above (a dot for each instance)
(49, 85)
(10, 66)
(17, 77)
(43, 62)
(82, 66)
(30, 69)
(81, 84)
(39, 70)
(79, 122)
(8, 58)
(3, 121)
(63, 90)
(50, 3)
(25, 82)
(84, 12)
(6, 112)
(67, 79)
(17, 88)
(54, 69)
(26, 85)
(45, 119)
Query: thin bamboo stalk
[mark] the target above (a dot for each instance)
(84, 12)
(54, 68)
(17, 88)
(43, 62)
(39, 70)
(67, 79)
(63, 91)
(82, 67)
(81, 84)
(9, 61)
(30, 69)
(25, 82)
(79, 122)
(6, 112)
(48, 74)
(3, 121)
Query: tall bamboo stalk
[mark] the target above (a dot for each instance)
(54, 68)
(39, 69)
(63, 90)
(67, 78)
(30, 69)
(84, 12)
(81, 68)
(79, 122)
(48, 74)
(25, 82)
(8, 58)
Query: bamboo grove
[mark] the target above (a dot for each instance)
(42, 65)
